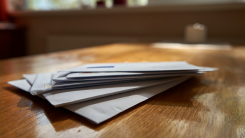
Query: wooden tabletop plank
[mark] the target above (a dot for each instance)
(209, 106)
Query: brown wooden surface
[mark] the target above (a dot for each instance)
(209, 106)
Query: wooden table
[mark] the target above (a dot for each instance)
(209, 106)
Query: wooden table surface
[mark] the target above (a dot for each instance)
(211, 106)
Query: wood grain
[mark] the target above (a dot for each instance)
(211, 106)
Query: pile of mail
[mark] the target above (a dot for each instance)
(101, 91)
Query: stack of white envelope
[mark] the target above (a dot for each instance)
(101, 91)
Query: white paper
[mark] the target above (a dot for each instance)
(71, 96)
(118, 74)
(30, 77)
(102, 109)
(42, 83)
(100, 74)
(21, 84)
(148, 66)
(66, 79)
(70, 84)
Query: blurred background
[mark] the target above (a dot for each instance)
(29, 27)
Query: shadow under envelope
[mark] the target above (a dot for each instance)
(183, 95)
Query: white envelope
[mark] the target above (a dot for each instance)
(88, 75)
(41, 83)
(71, 96)
(135, 67)
(70, 84)
(30, 77)
(21, 84)
(104, 69)
(67, 79)
(101, 74)
(102, 109)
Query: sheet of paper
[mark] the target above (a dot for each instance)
(101, 74)
(21, 84)
(102, 109)
(131, 67)
(30, 77)
(71, 96)
(78, 85)
(119, 74)
(67, 79)
(105, 79)
(42, 83)
(103, 82)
